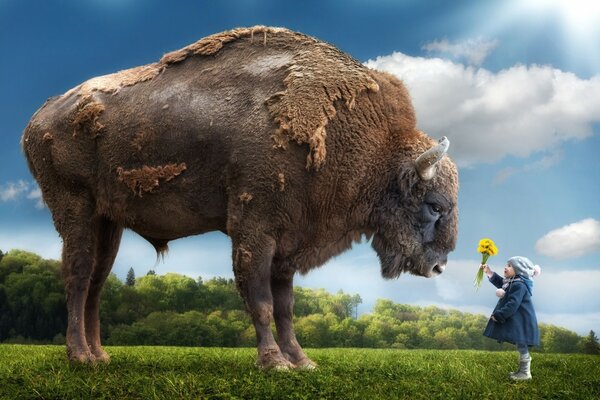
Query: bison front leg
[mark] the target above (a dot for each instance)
(282, 287)
(108, 238)
(252, 258)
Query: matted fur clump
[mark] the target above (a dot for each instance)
(146, 179)
(318, 76)
(317, 79)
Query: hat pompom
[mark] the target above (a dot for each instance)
(500, 293)
(537, 270)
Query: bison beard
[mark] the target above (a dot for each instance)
(284, 143)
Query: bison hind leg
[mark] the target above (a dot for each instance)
(72, 212)
(107, 239)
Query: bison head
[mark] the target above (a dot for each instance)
(417, 218)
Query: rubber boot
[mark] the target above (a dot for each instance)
(524, 372)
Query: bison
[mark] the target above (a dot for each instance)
(286, 144)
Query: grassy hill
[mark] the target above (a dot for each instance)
(223, 373)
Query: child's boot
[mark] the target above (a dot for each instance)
(524, 372)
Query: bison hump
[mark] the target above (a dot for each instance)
(317, 76)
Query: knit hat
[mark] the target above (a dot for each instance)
(524, 267)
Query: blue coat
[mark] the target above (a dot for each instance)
(514, 312)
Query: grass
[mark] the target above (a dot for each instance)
(42, 372)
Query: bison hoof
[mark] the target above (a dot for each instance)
(276, 365)
(81, 357)
(101, 356)
(306, 365)
(271, 360)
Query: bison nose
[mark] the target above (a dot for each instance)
(438, 269)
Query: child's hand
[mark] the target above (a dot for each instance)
(488, 271)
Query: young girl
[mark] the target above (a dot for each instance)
(513, 319)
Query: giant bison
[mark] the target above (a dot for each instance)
(283, 142)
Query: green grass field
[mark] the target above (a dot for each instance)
(217, 373)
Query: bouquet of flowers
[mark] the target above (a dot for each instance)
(487, 248)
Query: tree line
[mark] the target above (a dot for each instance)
(177, 310)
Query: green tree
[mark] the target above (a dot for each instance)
(558, 340)
(342, 304)
(15, 260)
(590, 344)
(180, 292)
(130, 280)
(33, 305)
(313, 330)
(222, 294)
(347, 333)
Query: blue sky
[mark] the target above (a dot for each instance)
(515, 85)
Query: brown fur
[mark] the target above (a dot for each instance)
(243, 113)
(87, 116)
(146, 179)
(140, 140)
(306, 106)
(302, 110)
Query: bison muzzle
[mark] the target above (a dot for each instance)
(284, 143)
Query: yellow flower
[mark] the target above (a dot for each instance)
(487, 248)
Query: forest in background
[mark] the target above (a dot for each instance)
(177, 310)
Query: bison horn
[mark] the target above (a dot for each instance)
(425, 163)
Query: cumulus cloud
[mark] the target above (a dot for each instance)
(490, 115)
(14, 191)
(475, 51)
(36, 194)
(573, 240)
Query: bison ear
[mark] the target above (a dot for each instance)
(425, 163)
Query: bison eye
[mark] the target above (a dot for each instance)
(435, 208)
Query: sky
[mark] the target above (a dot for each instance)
(514, 85)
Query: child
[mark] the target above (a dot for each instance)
(513, 319)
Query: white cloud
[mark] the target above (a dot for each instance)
(36, 194)
(475, 51)
(573, 240)
(14, 191)
(488, 116)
